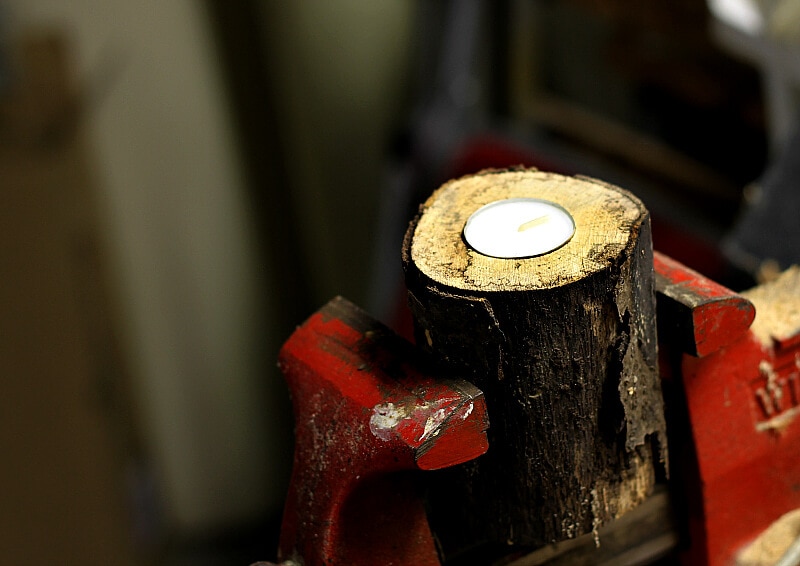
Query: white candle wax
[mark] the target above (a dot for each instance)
(519, 228)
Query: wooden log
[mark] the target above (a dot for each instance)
(563, 346)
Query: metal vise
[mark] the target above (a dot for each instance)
(371, 417)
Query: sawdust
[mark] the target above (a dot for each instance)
(773, 542)
(777, 307)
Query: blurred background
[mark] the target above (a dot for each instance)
(183, 182)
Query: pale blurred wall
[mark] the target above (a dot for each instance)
(183, 251)
(182, 248)
(341, 73)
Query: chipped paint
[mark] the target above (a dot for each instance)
(385, 417)
(432, 424)
(360, 403)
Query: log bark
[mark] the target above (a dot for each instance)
(563, 346)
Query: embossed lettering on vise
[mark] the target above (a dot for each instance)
(777, 392)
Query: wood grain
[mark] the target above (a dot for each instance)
(604, 218)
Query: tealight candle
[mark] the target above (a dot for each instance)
(519, 228)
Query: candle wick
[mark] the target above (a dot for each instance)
(535, 222)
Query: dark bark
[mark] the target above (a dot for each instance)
(569, 374)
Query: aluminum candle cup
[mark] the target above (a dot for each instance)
(518, 228)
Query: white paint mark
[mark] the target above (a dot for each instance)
(387, 416)
(384, 418)
(432, 424)
(779, 422)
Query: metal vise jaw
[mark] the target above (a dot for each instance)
(367, 414)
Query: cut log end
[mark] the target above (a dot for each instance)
(605, 220)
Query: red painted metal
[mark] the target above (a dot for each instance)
(742, 398)
(367, 412)
(749, 461)
(705, 315)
